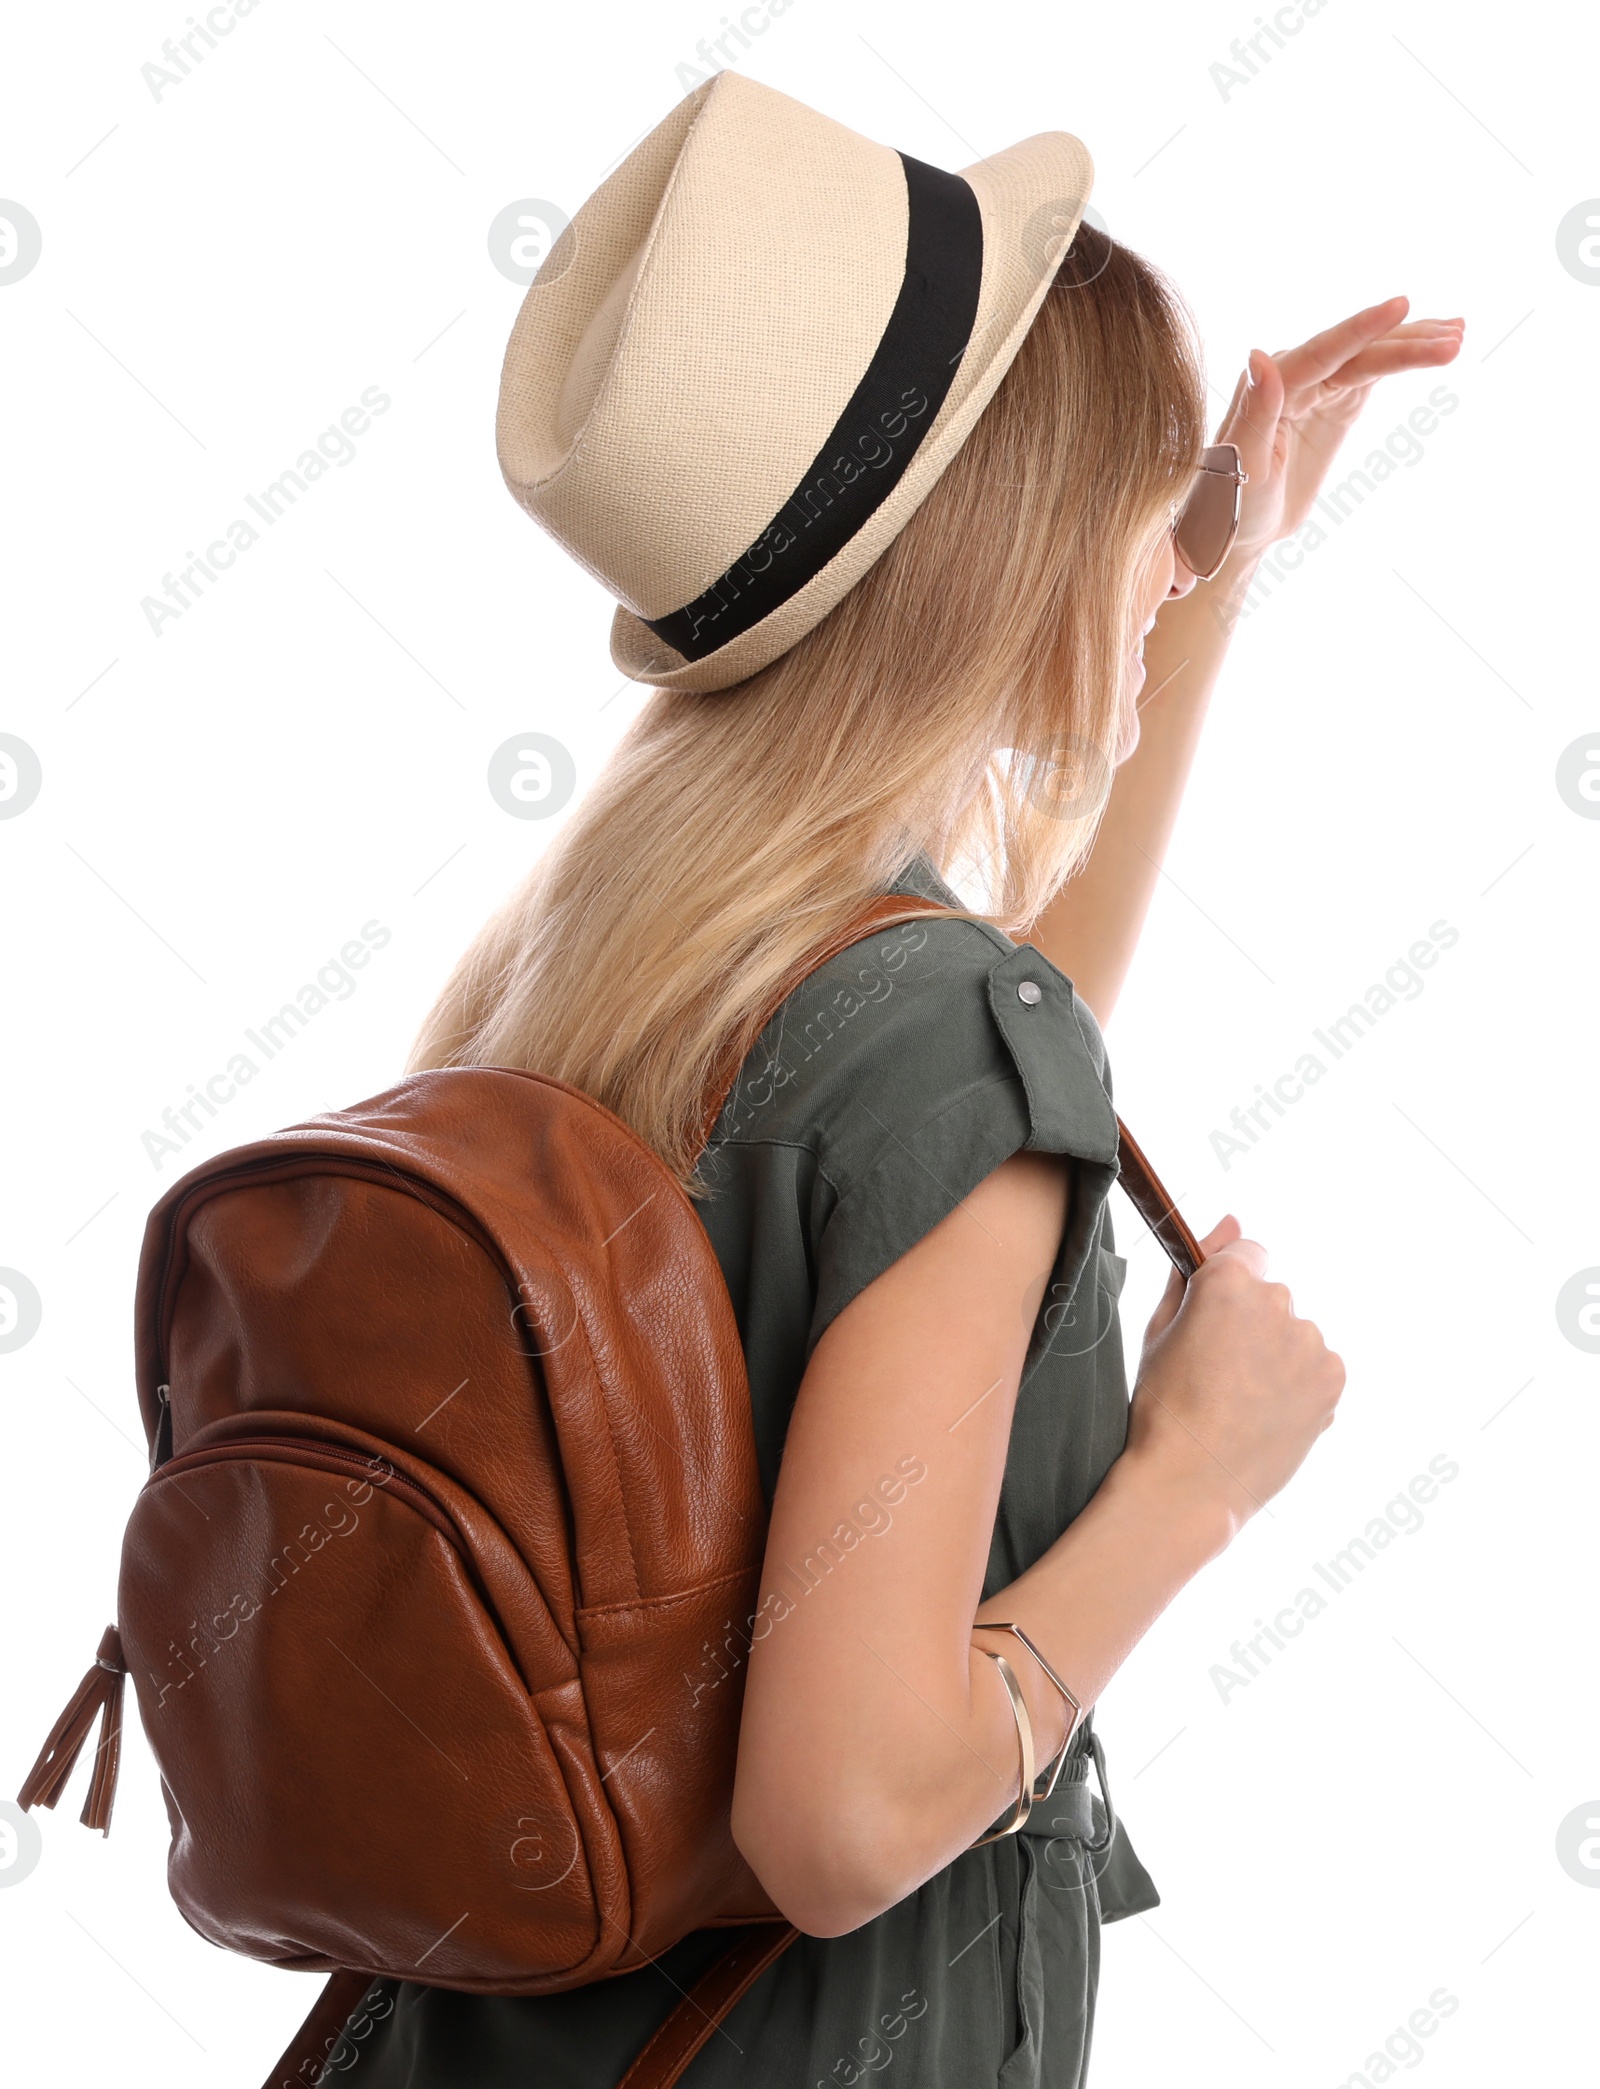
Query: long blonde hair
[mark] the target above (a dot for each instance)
(962, 698)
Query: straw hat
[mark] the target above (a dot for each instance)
(752, 353)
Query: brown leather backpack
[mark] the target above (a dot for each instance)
(453, 1493)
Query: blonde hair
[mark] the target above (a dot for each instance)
(963, 698)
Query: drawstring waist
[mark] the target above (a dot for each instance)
(1074, 1811)
(1072, 1867)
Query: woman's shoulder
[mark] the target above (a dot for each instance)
(937, 1021)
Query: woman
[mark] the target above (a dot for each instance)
(906, 1188)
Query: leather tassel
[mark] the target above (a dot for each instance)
(99, 1692)
(108, 1754)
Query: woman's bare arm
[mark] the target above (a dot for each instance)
(1092, 927)
(1289, 414)
(876, 1743)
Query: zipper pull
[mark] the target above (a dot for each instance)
(161, 1448)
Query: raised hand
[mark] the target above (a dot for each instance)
(1291, 411)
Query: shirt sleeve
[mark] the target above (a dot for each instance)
(973, 1050)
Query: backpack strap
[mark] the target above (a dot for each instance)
(660, 2061)
(881, 911)
(1150, 1200)
(305, 2060)
(663, 2059)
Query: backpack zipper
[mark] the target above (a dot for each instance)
(306, 1450)
(309, 1452)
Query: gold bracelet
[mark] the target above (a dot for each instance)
(1052, 1770)
(1019, 1710)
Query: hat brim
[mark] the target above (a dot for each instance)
(1032, 198)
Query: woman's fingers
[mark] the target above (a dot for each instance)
(1319, 357)
(1222, 1235)
(1370, 344)
(1432, 343)
(1426, 326)
(1253, 421)
(1289, 411)
(1222, 1232)
(1166, 1306)
(1358, 351)
(1241, 384)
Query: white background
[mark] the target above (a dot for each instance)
(226, 268)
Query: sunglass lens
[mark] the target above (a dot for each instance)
(1206, 525)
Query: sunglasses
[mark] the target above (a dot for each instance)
(1204, 528)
